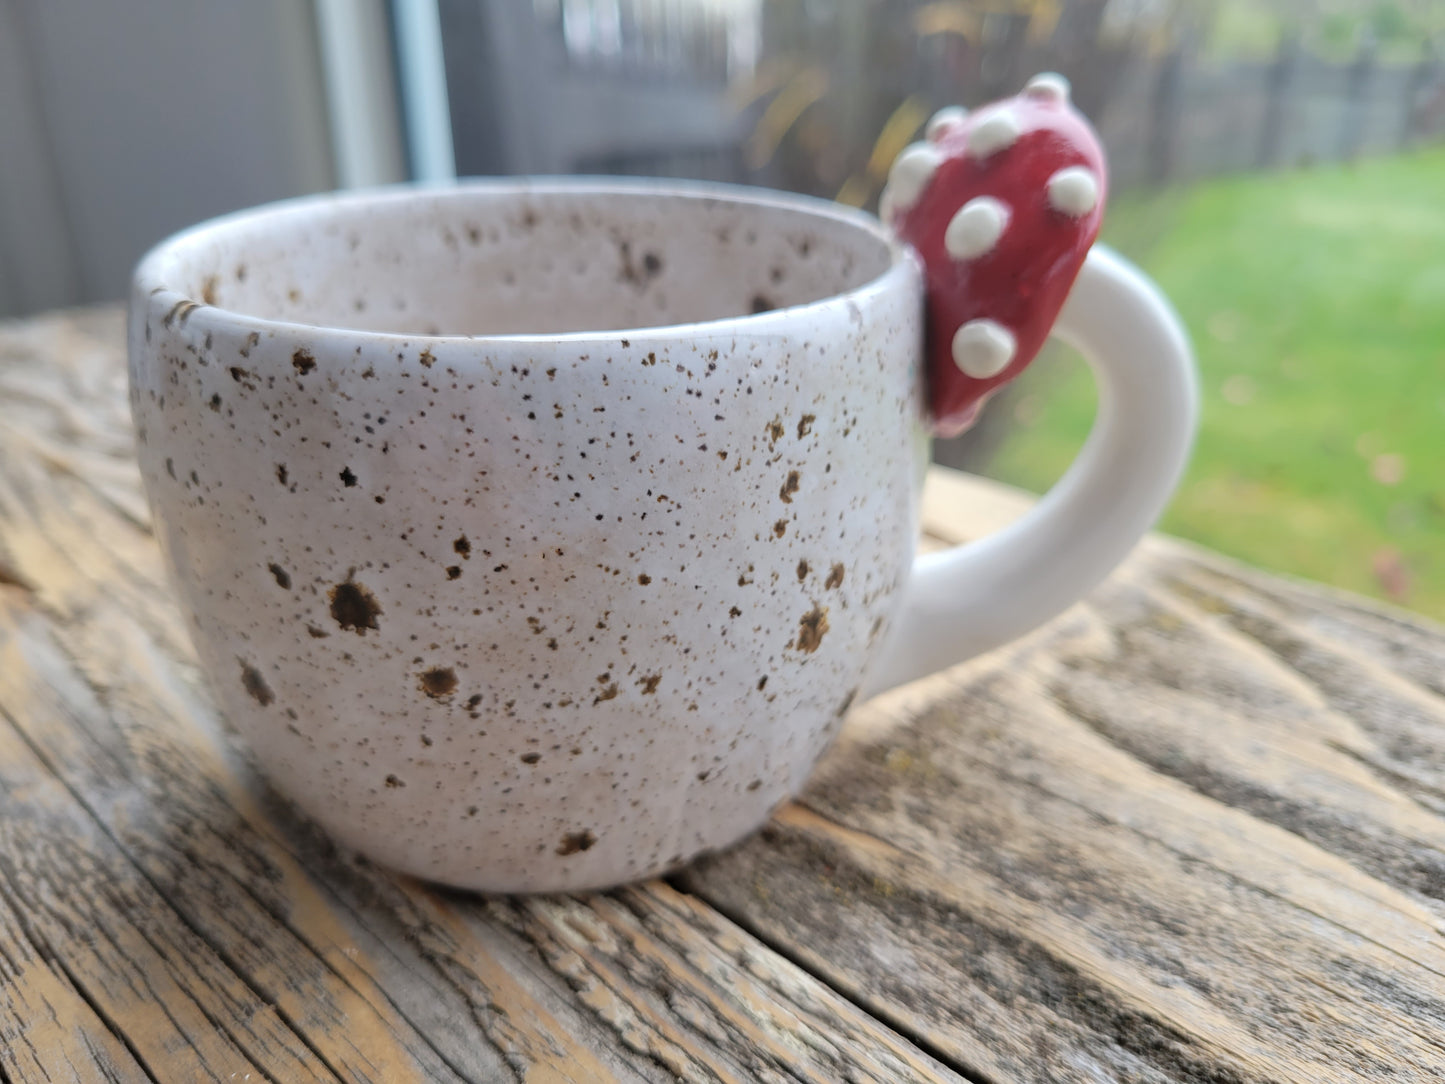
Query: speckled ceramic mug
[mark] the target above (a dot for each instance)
(539, 536)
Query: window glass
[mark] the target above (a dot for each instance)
(1277, 167)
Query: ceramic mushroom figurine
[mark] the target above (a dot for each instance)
(1002, 205)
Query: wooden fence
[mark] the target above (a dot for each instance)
(1166, 114)
(818, 97)
(1175, 118)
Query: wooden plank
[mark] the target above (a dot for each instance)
(1191, 831)
(48, 1030)
(180, 921)
(171, 842)
(649, 957)
(118, 944)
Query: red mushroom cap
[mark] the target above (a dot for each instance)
(1002, 205)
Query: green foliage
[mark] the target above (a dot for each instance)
(1316, 301)
(1388, 22)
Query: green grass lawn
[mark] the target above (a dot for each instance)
(1316, 302)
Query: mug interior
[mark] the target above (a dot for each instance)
(520, 259)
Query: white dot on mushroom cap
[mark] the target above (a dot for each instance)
(1074, 191)
(911, 171)
(983, 348)
(939, 124)
(1048, 86)
(994, 132)
(975, 228)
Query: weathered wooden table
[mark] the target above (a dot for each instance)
(1192, 831)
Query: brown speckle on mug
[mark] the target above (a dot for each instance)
(573, 842)
(180, 312)
(790, 486)
(439, 682)
(255, 685)
(812, 627)
(354, 607)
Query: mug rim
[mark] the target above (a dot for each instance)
(150, 291)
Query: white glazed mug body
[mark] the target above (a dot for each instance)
(504, 600)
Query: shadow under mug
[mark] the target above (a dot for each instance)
(539, 535)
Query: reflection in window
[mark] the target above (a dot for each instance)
(1276, 166)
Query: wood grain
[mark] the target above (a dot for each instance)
(164, 916)
(1192, 831)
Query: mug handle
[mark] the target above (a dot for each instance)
(969, 599)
